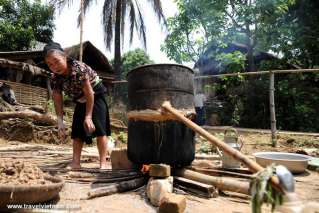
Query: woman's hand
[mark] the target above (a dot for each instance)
(88, 125)
(61, 129)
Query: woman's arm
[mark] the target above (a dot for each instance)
(58, 103)
(89, 95)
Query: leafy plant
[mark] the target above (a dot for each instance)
(263, 192)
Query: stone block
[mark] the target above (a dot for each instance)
(160, 170)
(157, 189)
(173, 203)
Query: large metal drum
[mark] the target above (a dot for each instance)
(152, 136)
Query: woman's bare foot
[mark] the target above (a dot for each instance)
(103, 165)
(74, 166)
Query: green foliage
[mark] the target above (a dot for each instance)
(130, 60)
(263, 192)
(23, 23)
(121, 136)
(201, 22)
(133, 59)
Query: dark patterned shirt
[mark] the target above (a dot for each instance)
(72, 84)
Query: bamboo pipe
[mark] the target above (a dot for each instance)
(252, 165)
(221, 183)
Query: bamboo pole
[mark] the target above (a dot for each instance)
(272, 109)
(81, 31)
(295, 71)
(252, 165)
(221, 183)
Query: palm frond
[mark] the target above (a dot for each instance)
(132, 17)
(158, 9)
(141, 25)
(108, 19)
(60, 4)
(123, 16)
(86, 6)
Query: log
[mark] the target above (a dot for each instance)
(221, 183)
(25, 114)
(23, 67)
(195, 187)
(252, 165)
(117, 188)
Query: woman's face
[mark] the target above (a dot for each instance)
(57, 63)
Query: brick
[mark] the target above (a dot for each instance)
(160, 170)
(157, 189)
(119, 159)
(173, 203)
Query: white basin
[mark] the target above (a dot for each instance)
(295, 163)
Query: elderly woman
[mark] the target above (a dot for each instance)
(91, 117)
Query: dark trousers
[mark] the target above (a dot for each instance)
(200, 116)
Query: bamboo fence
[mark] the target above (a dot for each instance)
(27, 94)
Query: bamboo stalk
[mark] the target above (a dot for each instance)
(221, 183)
(81, 31)
(272, 108)
(252, 165)
(215, 172)
(258, 73)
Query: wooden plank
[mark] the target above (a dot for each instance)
(201, 189)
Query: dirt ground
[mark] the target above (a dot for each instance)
(74, 193)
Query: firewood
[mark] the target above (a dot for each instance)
(45, 118)
(195, 187)
(221, 183)
(117, 188)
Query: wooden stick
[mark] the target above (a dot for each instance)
(252, 165)
(215, 172)
(104, 180)
(117, 187)
(221, 183)
(272, 109)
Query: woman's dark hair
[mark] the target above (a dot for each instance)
(51, 46)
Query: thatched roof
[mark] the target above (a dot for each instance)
(91, 56)
(208, 65)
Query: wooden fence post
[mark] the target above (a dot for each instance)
(272, 108)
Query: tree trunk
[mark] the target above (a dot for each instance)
(45, 118)
(117, 44)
